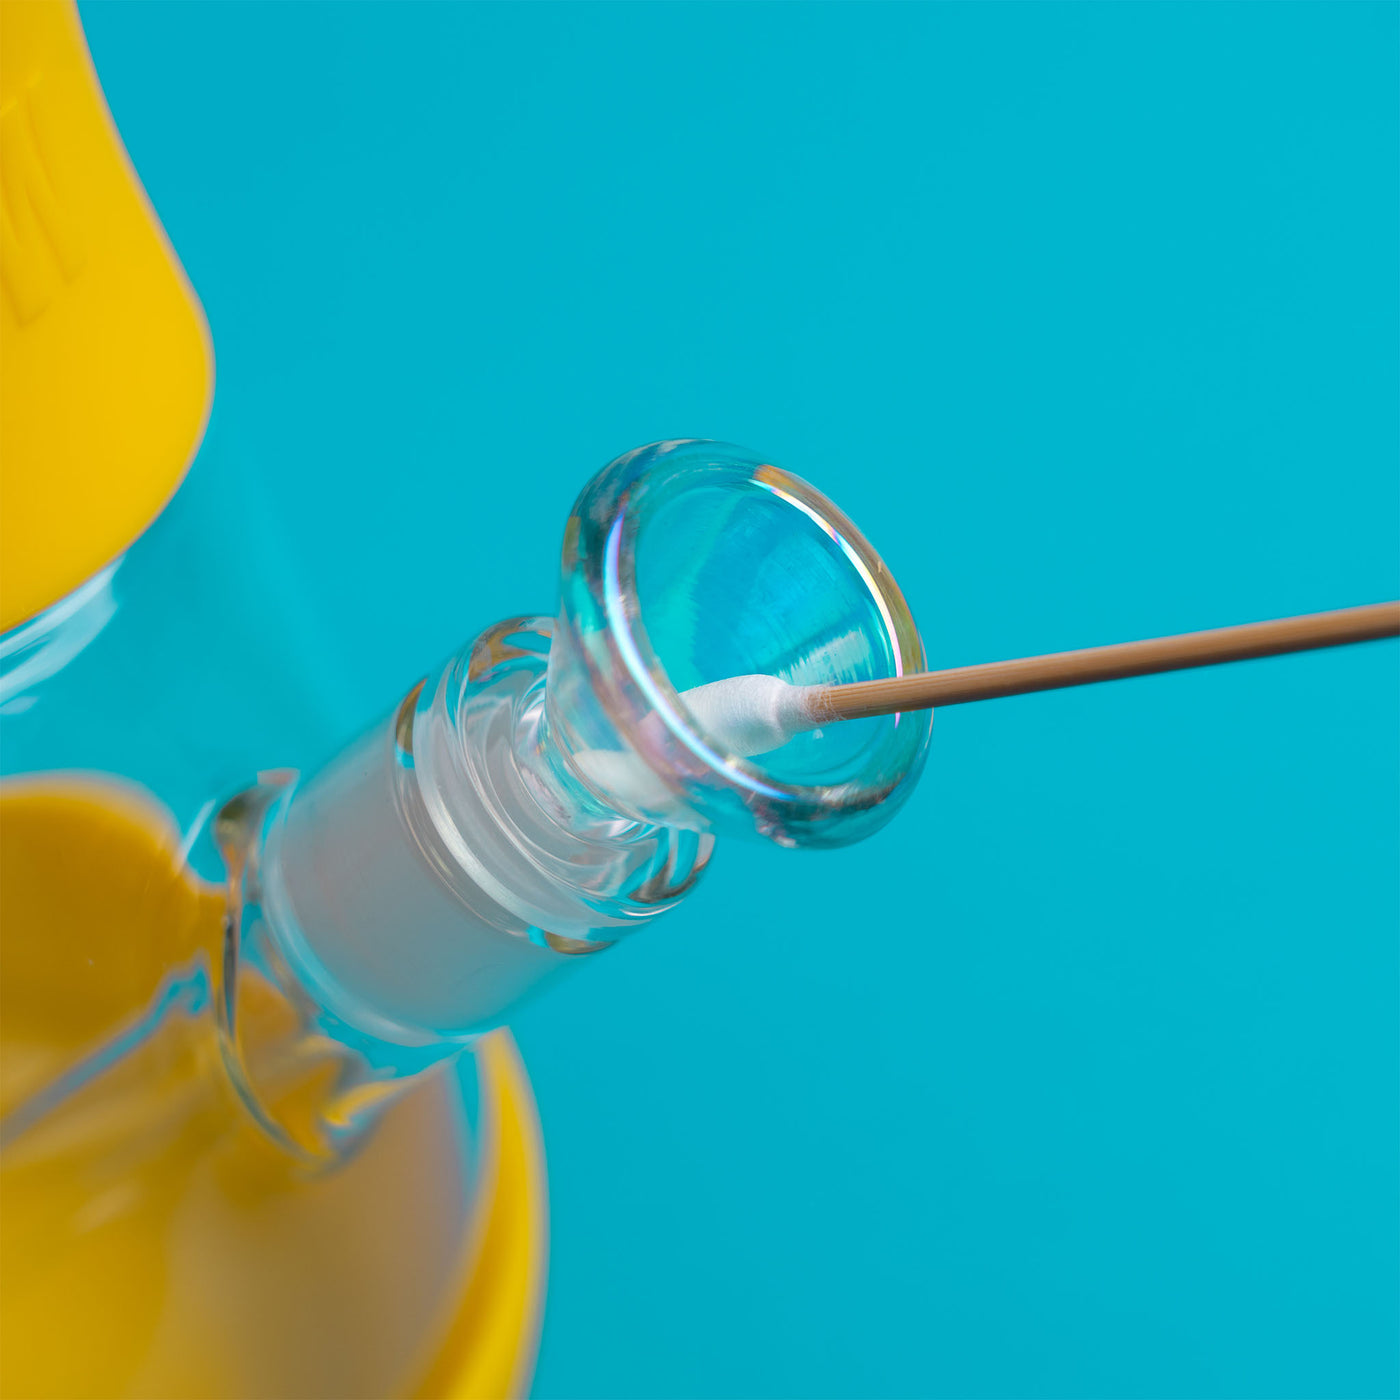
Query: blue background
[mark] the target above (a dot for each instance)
(1081, 1079)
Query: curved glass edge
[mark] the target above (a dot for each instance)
(609, 682)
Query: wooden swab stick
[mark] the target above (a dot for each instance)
(1063, 668)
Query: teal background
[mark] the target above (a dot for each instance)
(1081, 1079)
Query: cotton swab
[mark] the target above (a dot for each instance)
(748, 715)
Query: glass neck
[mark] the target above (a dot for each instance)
(400, 903)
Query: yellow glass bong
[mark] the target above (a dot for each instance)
(260, 1131)
(234, 1157)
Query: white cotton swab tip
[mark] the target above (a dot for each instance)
(740, 717)
(747, 715)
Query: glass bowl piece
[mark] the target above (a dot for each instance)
(688, 563)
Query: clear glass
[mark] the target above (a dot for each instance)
(447, 864)
(693, 561)
(552, 778)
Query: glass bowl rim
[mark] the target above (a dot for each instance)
(601, 546)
